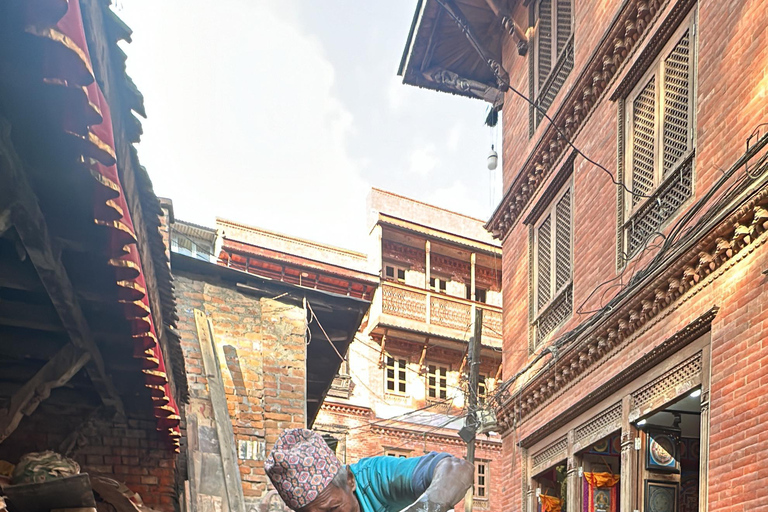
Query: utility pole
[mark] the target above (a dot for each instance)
(473, 357)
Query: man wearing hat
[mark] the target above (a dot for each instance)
(309, 478)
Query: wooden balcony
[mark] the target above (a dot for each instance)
(415, 309)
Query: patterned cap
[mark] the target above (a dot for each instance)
(301, 466)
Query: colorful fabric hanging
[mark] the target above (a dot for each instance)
(550, 503)
(600, 492)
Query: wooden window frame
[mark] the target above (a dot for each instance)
(438, 284)
(440, 388)
(555, 57)
(396, 270)
(486, 476)
(399, 367)
(656, 71)
(550, 213)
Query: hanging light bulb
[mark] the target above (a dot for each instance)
(493, 159)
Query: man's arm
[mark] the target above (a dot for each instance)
(450, 481)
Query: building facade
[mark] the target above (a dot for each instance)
(633, 228)
(401, 391)
(262, 325)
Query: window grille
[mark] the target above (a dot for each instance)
(554, 53)
(659, 142)
(552, 265)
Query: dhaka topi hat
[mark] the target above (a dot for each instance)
(301, 466)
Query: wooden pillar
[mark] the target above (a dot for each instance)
(427, 272)
(573, 504)
(706, 371)
(628, 458)
(472, 263)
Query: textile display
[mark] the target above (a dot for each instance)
(600, 492)
(550, 503)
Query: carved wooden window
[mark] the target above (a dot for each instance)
(552, 253)
(394, 375)
(482, 480)
(437, 382)
(553, 52)
(393, 273)
(658, 147)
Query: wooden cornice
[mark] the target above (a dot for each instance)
(737, 233)
(420, 435)
(354, 410)
(602, 68)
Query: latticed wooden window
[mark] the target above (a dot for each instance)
(554, 51)
(437, 382)
(552, 249)
(394, 375)
(659, 130)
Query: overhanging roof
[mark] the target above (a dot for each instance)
(439, 56)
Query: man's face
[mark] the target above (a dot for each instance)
(335, 499)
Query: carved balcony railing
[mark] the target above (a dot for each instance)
(437, 313)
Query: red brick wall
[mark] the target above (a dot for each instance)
(364, 440)
(130, 452)
(731, 100)
(261, 350)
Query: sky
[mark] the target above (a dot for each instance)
(283, 114)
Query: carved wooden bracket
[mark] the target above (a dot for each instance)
(54, 374)
(512, 28)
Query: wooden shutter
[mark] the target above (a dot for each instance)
(545, 40)
(563, 241)
(644, 141)
(677, 116)
(544, 261)
(563, 17)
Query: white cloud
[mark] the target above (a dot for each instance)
(459, 198)
(455, 136)
(243, 121)
(423, 160)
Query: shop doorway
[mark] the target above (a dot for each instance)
(599, 475)
(670, 456)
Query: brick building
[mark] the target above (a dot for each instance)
(91, 367)
(401, 391)
(262, 326)
(634, 284)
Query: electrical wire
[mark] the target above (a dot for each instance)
(671, 242)
(573, 146)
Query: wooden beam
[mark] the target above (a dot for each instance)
(32, 228)
(56, 372)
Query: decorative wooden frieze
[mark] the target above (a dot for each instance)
(598, 427)
(731, 240)
(678, 380)
(549, 455)
(601, 71)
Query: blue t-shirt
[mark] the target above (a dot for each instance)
(389, 484)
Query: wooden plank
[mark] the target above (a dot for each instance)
(56, 372)
(32, 228)
(221, 416)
